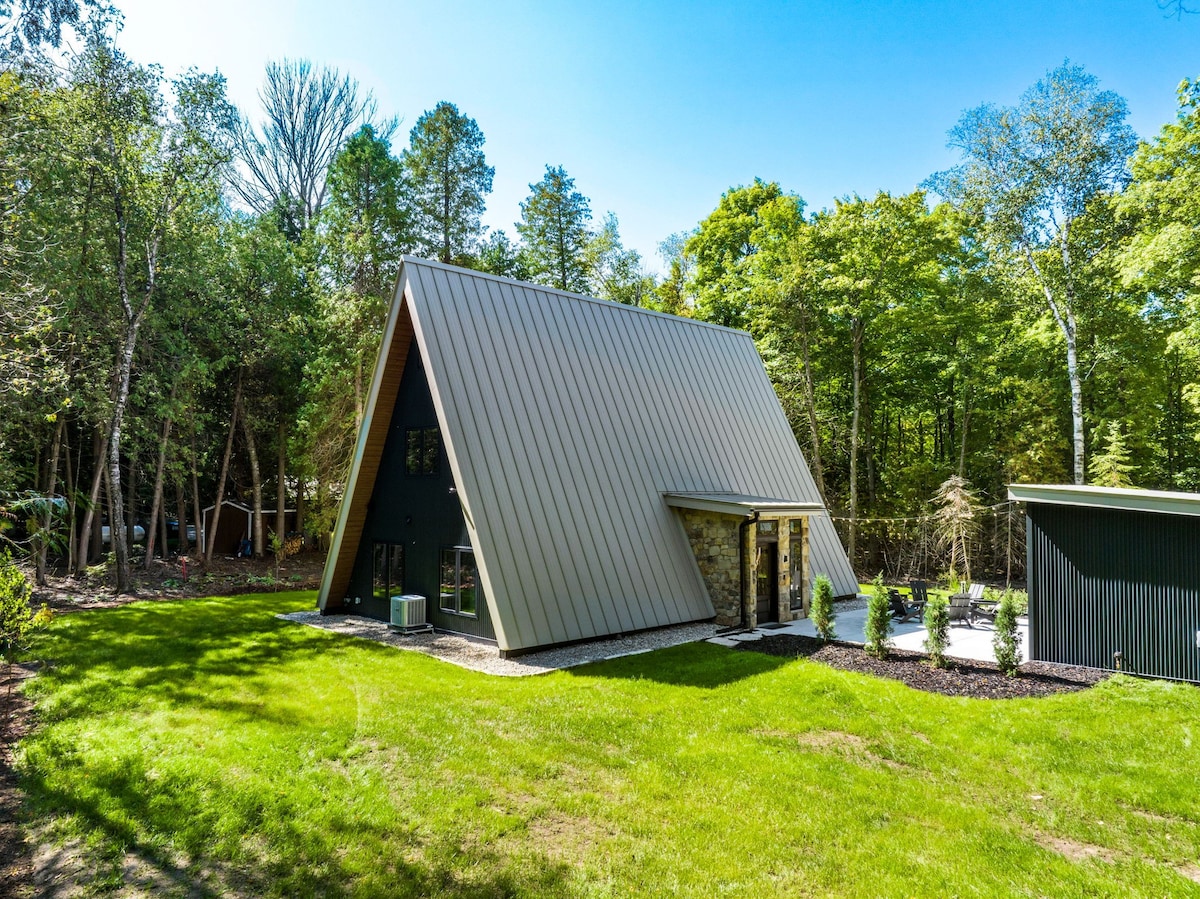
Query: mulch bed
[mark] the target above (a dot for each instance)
(979, 680)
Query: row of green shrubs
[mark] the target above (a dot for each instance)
(1006, 642)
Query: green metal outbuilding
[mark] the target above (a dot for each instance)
(1114, 578)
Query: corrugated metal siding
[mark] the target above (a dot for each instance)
(1102, 581)
(565, 420)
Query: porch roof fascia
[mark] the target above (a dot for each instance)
(739, 504)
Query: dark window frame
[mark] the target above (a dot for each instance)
(451, 603)
(390, 550)
(422, 452)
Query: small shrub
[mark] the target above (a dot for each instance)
(1007, 642)
(879, 621)
(266, 580)
(1020, 602)
(937, 623)
(17, 619)
(821, 612)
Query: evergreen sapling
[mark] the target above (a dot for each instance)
(821, 611)
(1007, 642)
(879, 621)
(937, 623)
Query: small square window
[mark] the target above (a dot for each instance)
(797, 525)
(766, 527)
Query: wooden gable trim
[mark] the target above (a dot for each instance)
(368, 454)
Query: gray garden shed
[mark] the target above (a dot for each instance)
(546, 467)
(1114, 578)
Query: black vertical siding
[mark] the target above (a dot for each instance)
(1103, 581)
(421, 512)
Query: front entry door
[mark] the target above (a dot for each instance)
(767, 583)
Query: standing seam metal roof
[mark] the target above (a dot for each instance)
(566, 419)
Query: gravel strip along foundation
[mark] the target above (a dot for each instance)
(480, 655)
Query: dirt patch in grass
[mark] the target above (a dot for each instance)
(1191, 872)
(1073, 850)
(15, 717)
(980, 680)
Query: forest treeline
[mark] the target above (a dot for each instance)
(192, 295)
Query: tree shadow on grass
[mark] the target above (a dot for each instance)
(702, 665)
(276, 856)
(164, 820)
(117, 657)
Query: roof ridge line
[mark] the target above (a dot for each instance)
(408, 259)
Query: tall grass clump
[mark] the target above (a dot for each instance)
(821, 611)
(937, 623)
(1007, 642)
(879, 621)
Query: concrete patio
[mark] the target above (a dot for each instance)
(850, 624)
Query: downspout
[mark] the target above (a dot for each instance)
(752, 518)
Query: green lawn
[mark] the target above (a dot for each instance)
(291, 761)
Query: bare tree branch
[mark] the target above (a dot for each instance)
(308, 114)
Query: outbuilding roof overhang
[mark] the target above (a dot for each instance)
(1119, 498)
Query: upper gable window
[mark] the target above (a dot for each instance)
(422, 450)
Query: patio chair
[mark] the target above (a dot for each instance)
(960, 609)
(980, 607)
(903, 611)
(919, 591)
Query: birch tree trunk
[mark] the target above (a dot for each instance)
(256, 485)
(1065, 319)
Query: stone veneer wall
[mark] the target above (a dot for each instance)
(714, 541)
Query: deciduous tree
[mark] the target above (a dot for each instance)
(1030, 172)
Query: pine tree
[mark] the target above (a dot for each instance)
(449, 177)
(554, 220)
(956, 521)
(1110, 465)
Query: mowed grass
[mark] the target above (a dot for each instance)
(211, 736)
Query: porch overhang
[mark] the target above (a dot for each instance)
(740, 504)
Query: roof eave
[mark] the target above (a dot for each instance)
(1113, 498)
(740, 507)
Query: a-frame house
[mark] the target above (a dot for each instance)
(547, 468)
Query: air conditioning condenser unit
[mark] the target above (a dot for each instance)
(408, 614)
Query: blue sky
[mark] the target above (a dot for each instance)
(656, 108)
